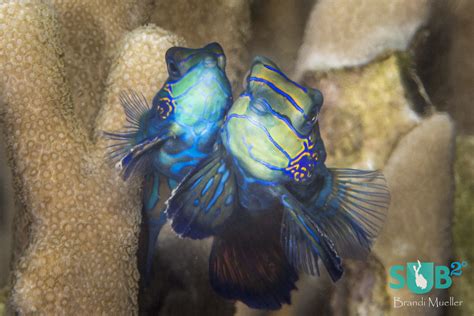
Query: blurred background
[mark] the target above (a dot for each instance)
(397, 77)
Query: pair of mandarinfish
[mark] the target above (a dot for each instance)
(250, 174)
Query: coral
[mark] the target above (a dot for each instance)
(365, 112)
(464, 220)
(201, 22)
(363, 288)
(82, 241)
(420, 176)
(445, 60)
(90, 31)
(348, 33)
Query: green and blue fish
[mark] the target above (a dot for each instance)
(267, 197)
(165, 141)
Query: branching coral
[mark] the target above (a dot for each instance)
(81, 252)
(90, 32)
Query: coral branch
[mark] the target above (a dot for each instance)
(81, 253)
(90, 31)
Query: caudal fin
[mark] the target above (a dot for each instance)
(248, 263)
(351, 209)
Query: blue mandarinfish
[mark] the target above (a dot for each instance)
(269, 168)
(167, 140)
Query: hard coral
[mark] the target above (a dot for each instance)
(366, 111)
(80, 256)
(90, 31)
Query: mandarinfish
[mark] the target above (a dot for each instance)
(165, 141)
(269, 171)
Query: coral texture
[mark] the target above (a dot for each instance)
(420, 177)
(90, 32)
(445, 61)
(346, 33)
(365, 112)
(83, 238)
(464, 219)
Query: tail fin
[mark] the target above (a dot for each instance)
(351, 209)
(251, 266)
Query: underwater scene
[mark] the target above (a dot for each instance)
(239, 157)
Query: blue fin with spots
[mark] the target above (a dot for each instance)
(304, 241)
(204, 200)
(252, 267)
(153, 219)
(351, 208)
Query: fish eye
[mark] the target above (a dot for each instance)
(221, 62)
(173, 68)
(258, 106)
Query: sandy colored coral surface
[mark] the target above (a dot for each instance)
(346, 33)
(463, 222)
(90, 31)
(365, 112)
(83, 237)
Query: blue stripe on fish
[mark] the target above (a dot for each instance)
(285, 119)
(281, 92)
(284, 76)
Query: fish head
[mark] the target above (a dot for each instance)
(270, 128)
(191, 103)
(197, 93)
(180, 60)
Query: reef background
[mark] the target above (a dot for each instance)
(397, 76)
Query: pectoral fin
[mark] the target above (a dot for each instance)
(304, 242)
(204, 200)
(139, 155)
(351, 209)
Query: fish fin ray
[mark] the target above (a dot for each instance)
(247, 263)
(351, 209)
(304, 241)
(204, 200)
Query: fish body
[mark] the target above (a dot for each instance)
(270, 167)
(164, 141)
